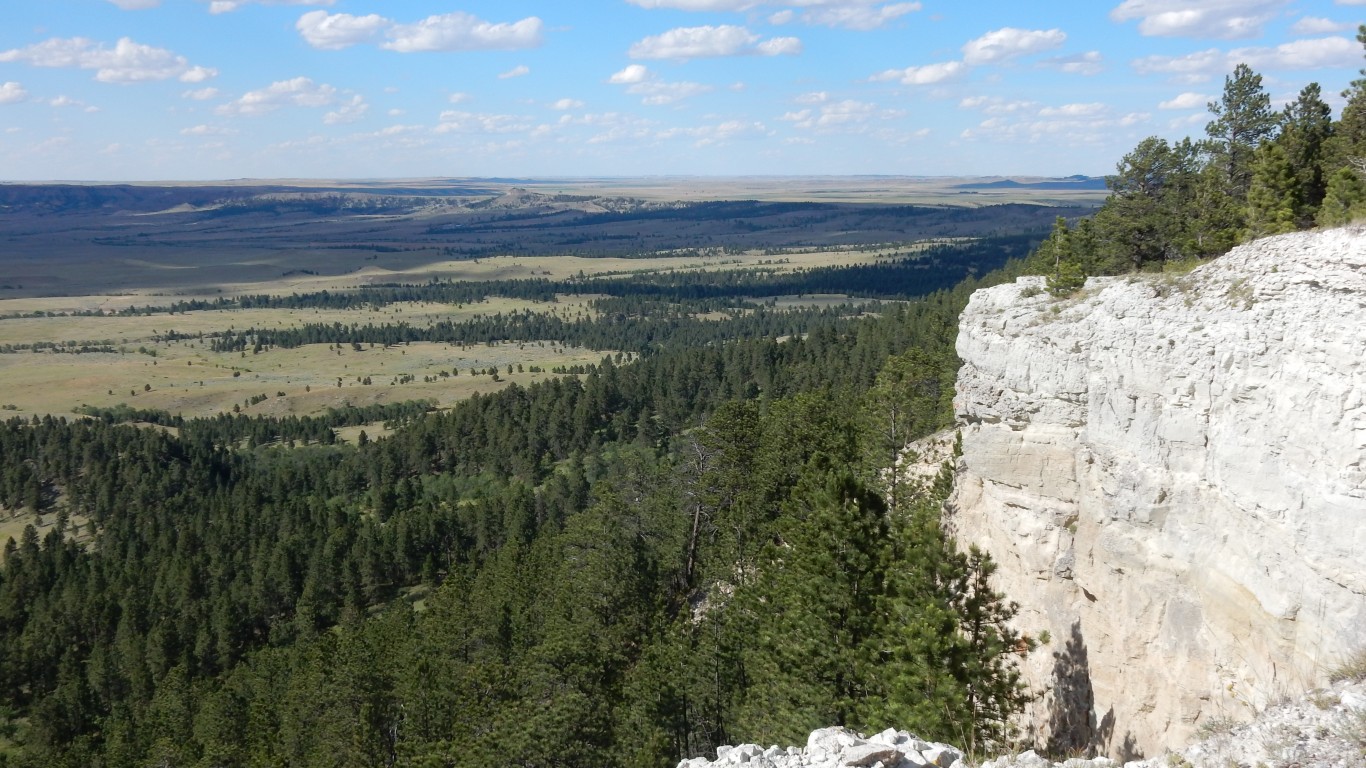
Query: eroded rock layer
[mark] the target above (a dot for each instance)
(1171, 473)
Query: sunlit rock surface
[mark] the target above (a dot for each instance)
(1171, 473)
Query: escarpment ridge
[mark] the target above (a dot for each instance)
(1171, 473)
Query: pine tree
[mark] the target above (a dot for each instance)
(1272, 200)
(1242, 121)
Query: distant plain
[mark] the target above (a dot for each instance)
(87, 248)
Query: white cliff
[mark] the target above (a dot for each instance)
(1171, 474)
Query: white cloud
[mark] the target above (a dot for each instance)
(640, 81)
(1193, 67)
(566, 104)
(1073, 110)
(814, 97)
(848, 116)
(658, 93)
(67, 101)
(227, 6)
(1187, 100)
(127, 62)
(299, 92)
(201, 94)
(462, 32)
(458, 97)
(349, 112)
(633, 73)
(1310, 53)
(1222, 19)
(1315, 25)
(849, 14)
(334, 31)
(856, 16)
(136, 5)
(928, 74)
(198, 74)
(1009, 43)
(1089, 63)
(12, 92)
(453, 121)
(709, 41)
(521, 70)
(707, 135)
(1083, 123)
(995, 105)
(207, 130)
(441, 32)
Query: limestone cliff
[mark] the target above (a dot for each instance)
(1171, 473)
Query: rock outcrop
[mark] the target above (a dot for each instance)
(1171, 474)
(1324, 728)
(839, 748)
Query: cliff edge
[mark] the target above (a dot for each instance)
(1171, 473)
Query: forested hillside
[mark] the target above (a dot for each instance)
(621, 568)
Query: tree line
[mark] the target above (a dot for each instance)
(1257, 172)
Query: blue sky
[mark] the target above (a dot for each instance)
(224, 89)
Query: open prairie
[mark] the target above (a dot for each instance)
(75, 258)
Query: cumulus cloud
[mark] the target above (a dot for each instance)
(1009, 43)
(127, 62)
(566, 104)
(298, 92)
(1314, 25)
(858, 16)
(136, 5)
(463, 32)
(711, 41)
(928, 74)
(441, 32)
(633, 73)
(1089, 63)
(1310, 53)
(640, 81)
(12, 92)
(1187, 100)
(334, 31)
(198, 74)
(200, 94)
(458, 97)
(521, 70)
(1222, 19)
(814, 97)
(349, 112)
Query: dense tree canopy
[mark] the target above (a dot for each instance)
(619, 568)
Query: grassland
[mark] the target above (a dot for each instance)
(80, 249)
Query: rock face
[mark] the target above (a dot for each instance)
(839, 748)
(1171, 474)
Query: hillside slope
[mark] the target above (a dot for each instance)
(1171, 472)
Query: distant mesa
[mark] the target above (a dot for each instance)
(1076, 182)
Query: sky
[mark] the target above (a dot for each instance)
(142, 90)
